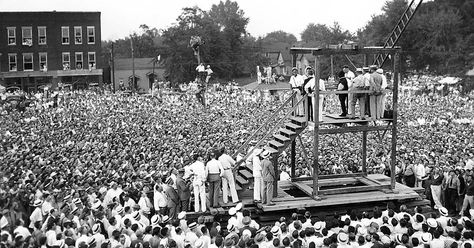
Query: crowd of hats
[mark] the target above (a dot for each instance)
(92, 141)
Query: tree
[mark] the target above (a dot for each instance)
(280, 36)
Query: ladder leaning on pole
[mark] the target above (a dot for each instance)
(398, 30)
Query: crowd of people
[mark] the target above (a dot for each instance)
(105, 170)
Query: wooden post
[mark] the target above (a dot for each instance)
(293, 158)
(317, 76)
(364, 152)
(366, 60)
(277, 174)
(396, 78)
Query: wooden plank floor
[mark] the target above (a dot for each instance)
(336, 119)
(401, 192)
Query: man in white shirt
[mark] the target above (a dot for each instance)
(198, 172)
(257, 176)
(296, 83)
(310, 88)
(381, 101)
(349, 75)
(159, 199)
(112, 193)
(214, 172)
(228, 181)
(36, 215)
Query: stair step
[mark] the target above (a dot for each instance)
(298, 120)
(271, 149)
(240, 180)
(292, 126)
(286, 132)
(275, 144)
(245, 174)
(237, 187)
(281, 138)
(248, 166)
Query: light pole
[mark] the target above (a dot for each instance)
(113, 66)
(133, 64)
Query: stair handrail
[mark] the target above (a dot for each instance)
(293, 108)
(270, 117)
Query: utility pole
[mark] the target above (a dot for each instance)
(113, 67)
(133, 65)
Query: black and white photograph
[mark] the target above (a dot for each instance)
(237, 124)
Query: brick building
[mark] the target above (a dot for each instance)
(47, 48)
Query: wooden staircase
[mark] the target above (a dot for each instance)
(275, 145)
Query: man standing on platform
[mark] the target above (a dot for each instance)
(308, 88)
(296, 83)
(381, 100)
(367, 101)
(228, 181)
(198, 172)
(360, 83)
(376, 95)
(214, 172)
(453, 190)
(268, 174)
(349, 75)
(183, 191)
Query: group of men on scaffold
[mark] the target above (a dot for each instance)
(371, 104)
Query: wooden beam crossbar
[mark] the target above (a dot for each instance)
(354, 129)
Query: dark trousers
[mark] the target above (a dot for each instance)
(184, 205)
(451, 198)
(267, 192)
(173, 211)
(310, 108)
(214, 187)
(343, 100)
(200, 97)
(410, 180)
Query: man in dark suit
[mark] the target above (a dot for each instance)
(184, 191)
(173, 199)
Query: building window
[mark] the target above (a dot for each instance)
(11, 35)
(66, 61)
(27, 36)
(91, 59)
(43, 61)
(27, 61)
(90, 35)
(79, 61)
(65, 35)
(42, 35)
(78, 35)
(12, 62)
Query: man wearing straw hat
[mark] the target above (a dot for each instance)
(296, 83)
(268, 174)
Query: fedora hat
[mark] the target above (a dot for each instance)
(37, 203)
(342, 238)
(443, 211)
(265, 154)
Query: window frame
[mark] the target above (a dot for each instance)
(39, 35)
(45, 62)
(32, 62)
(68, 35)
(75, 37)
(76, 61)
(63, 61)
(89, 61)
(89, 36)
(14, 36)
(10, 63)
(23, 35)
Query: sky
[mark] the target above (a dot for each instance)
(121, 18)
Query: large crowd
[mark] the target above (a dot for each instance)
(105, 170)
